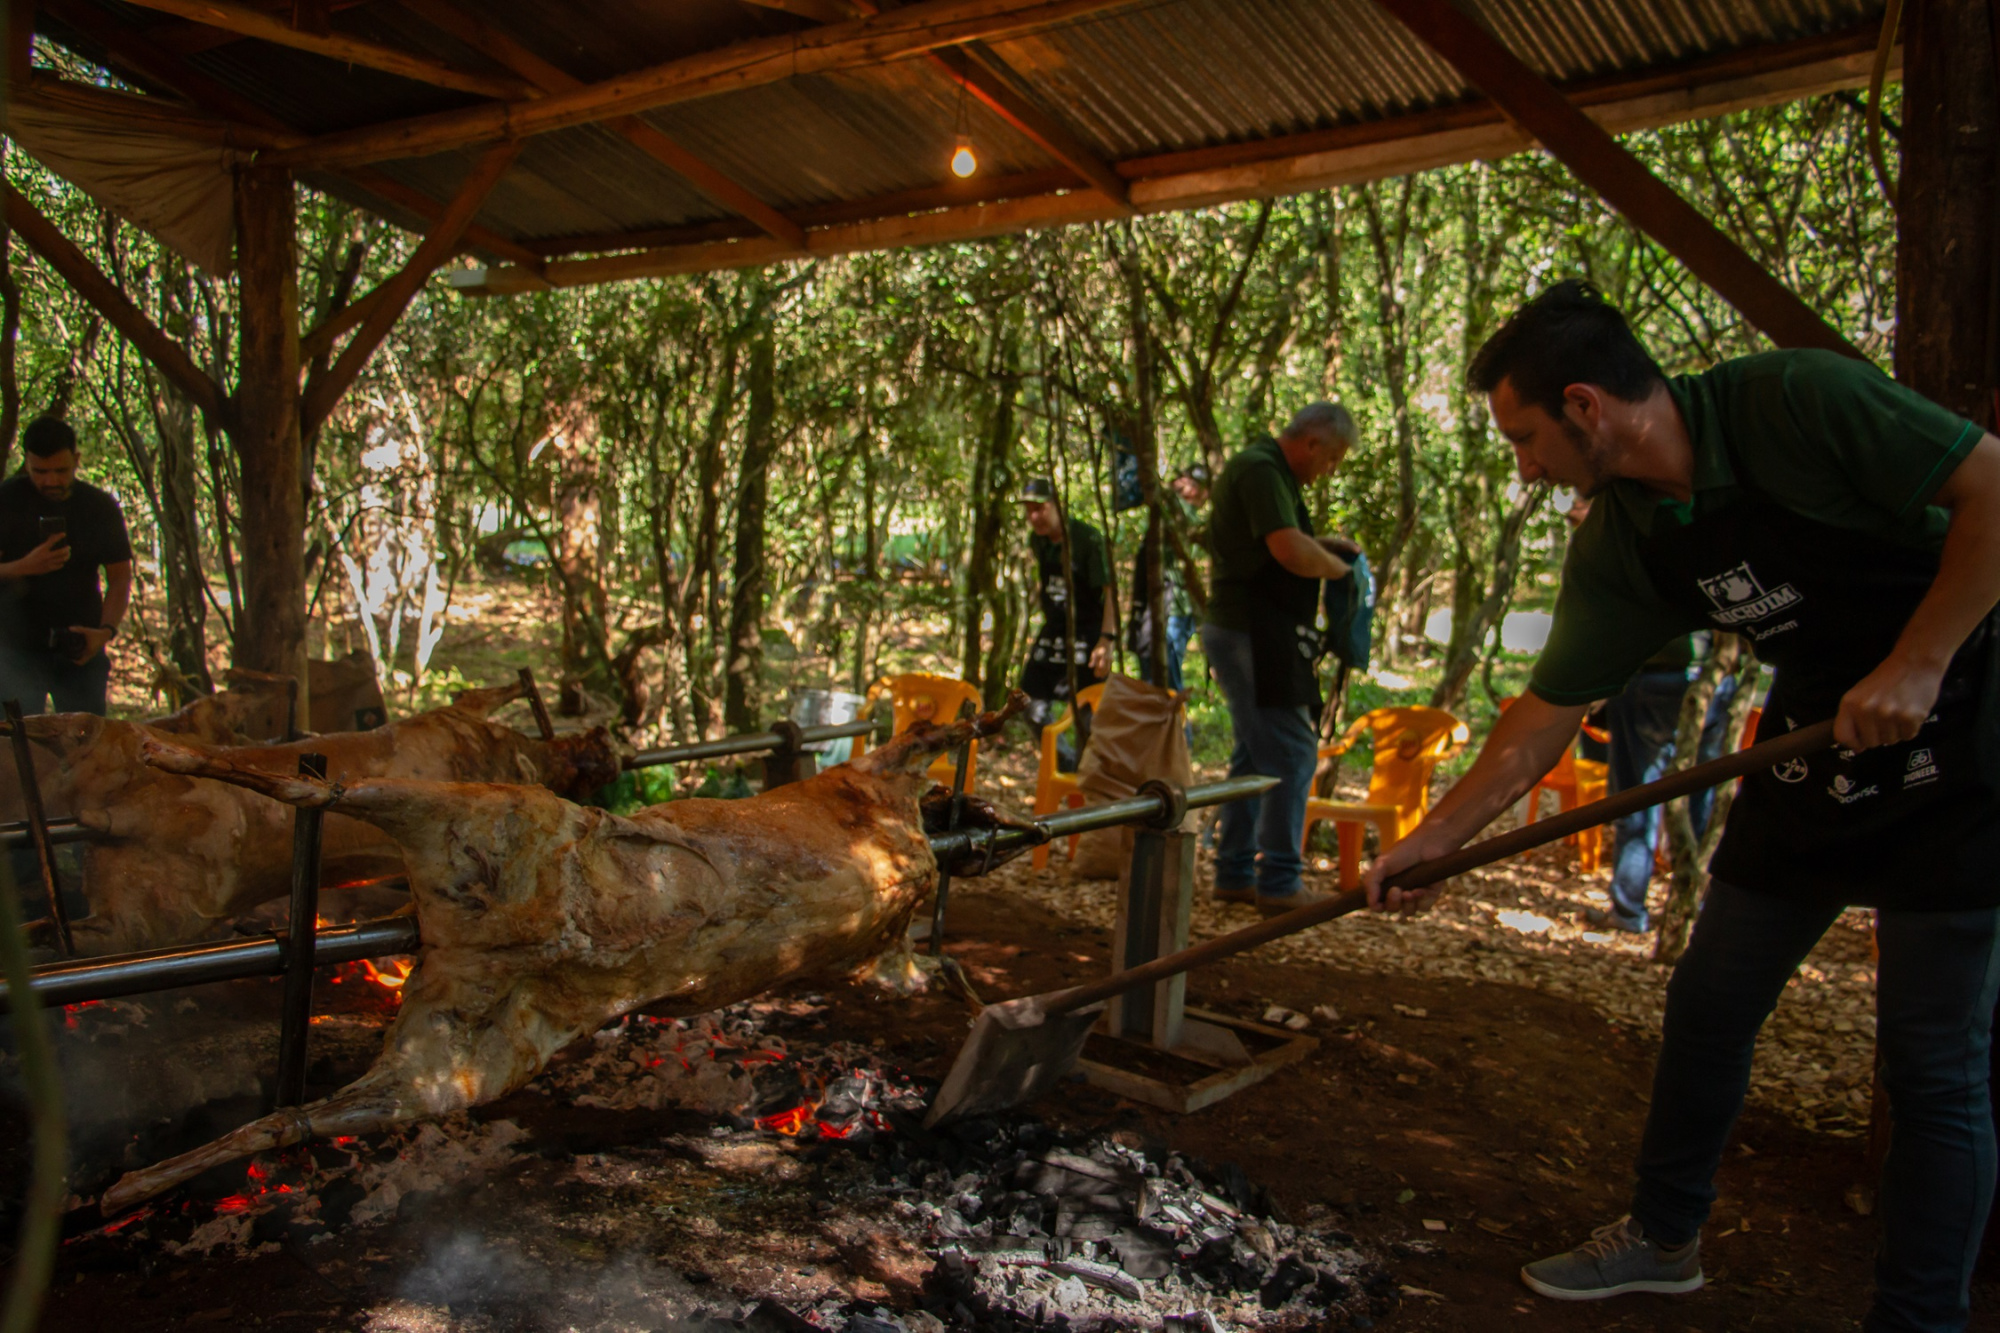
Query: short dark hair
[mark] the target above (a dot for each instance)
(1568, 334)
(46, 436)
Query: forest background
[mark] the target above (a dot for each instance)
(687, 499)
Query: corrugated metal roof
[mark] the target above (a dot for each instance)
(1141, 80)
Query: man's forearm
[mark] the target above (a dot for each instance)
(1967, 585)
(1526, 743)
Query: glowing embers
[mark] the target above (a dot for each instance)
(390, 979)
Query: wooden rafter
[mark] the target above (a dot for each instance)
(325, 390)
(838, 46)
(546, 77)
(1202, 177)
(90, 282)
(982, 74)
(1623, 181)
(248, 22)
(129, 47)
(317, 341)
(188, 39)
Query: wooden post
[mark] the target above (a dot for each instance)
(1948, 266)
(271, 625)
(1948, 216)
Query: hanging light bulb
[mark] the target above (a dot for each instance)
(963, 163)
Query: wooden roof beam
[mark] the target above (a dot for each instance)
(546, 77)
(1619, 178)
(983, 74)
(188, 39)
(896, 35)
(1196, 179)
(129, 47)
(248, 22)
(103, 295)
(323, 391)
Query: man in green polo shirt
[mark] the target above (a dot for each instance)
(1262, 646)
(1850, 530)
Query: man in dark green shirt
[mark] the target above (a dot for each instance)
(1850, 530)
(1262, 646)
(1046, 678)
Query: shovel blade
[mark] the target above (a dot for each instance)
(1014, 1054)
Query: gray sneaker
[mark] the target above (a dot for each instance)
(1616, 1259)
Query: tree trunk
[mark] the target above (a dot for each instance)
(743, 692)
(271, 627)
(1473, 620)
(991, 487)
(586, 665)
(10, 330)
(698, 609)
(180, 541)
(1690, 854)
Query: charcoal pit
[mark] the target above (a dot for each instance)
(748, 1170)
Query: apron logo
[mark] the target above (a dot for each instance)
(1844, 790)
(1792, 770)
(1922, 768)
(1738, 596)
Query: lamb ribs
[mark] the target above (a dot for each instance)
(542, 920)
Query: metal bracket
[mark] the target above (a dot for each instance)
(1173, 803)
(295, 1016)
(790, 762)
(38, 825)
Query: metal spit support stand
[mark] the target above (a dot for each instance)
(790, 761)
(543, 722)
(301, 937)
(1155, 911)
(38, 825)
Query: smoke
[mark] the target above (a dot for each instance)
(470, 1281)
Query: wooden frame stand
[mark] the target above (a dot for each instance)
(1153, 1023)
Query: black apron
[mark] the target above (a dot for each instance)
(1285, 642)
(1047, 674)
(1913, 826)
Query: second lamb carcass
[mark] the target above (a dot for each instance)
(173, 858)
(542, 921)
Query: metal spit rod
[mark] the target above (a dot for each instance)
(266, 955)
(746, 744)
(18, 834)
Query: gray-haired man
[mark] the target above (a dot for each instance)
(1262, 646)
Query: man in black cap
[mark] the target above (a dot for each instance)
(1188, 496)
(56, 532)
(1046, 678)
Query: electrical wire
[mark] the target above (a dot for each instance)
(1878, 75)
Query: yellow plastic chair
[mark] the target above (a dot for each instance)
(1575, 781)
(1409, 743)
(1054, 790)
(917, 697)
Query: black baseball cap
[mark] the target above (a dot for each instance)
(1037, 490)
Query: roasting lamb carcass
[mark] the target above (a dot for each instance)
(173, 858)
(542, 921)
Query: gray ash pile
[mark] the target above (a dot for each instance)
(1034, 1229)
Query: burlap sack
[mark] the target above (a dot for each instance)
(1138, 733)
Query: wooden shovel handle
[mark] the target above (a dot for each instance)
(1768, 754)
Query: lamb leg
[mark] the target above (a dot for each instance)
(902, 753)
(483, 700)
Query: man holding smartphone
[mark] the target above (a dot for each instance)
(56, 532)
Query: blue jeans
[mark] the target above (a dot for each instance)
(36, 677)
(1180, 629)
(1938, 977)
(1260, 845)
(1642, 721)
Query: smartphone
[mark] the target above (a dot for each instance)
(54, 525)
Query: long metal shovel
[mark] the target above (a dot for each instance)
(1022, 1048)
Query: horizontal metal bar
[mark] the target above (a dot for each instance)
(746, 744)
(1131, 810)
(195, 964)
(15, 833)
(264, 956)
